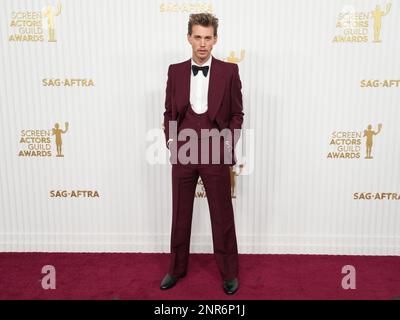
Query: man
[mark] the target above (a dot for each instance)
(203, 94)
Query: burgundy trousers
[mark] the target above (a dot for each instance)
(217, 184)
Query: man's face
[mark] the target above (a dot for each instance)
(202, 41)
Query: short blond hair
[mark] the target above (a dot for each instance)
(203, 19)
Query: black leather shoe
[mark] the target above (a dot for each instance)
(231, 286)
(169, 281)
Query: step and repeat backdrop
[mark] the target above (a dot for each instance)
(83, 163)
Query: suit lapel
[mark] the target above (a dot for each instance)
(183, 85)
(216, 87)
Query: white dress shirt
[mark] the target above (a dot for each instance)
(199, 88)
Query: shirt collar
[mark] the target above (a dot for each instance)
(207, 63)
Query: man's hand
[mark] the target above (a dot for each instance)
(168, 142)
(228, 145)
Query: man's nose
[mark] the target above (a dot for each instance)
(203, 42)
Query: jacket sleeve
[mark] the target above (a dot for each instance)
(168, 106)
(236, 119)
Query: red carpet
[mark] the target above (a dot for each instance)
(137, 276)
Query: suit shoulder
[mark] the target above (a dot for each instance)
(232, 67)
(178, 64)
(175, 67)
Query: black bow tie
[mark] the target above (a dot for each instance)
(197, 68)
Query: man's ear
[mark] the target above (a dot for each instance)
(188, 38)
(215, 39)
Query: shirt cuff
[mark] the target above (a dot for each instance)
(169, 142)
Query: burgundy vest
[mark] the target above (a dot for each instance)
(198, 121)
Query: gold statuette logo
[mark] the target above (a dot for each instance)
(235, 174)
(56, 131)
(377, 15)
(28, 26)
(347, 144)
(354, 26)
(50, 13)
(37, 143)
(369, 133)
(232, 57)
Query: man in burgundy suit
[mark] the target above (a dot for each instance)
(203, 95)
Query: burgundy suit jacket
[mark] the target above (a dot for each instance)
(225, 105)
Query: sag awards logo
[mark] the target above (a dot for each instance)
(380, 83)
(38, 143)
(355, 26)
(235, 171)
(30, 26)
(232, 58)
(67, 82)
(192, 7)
(347, 144)
(376, 196)
(74, 194)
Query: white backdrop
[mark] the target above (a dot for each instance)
(102, 66)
